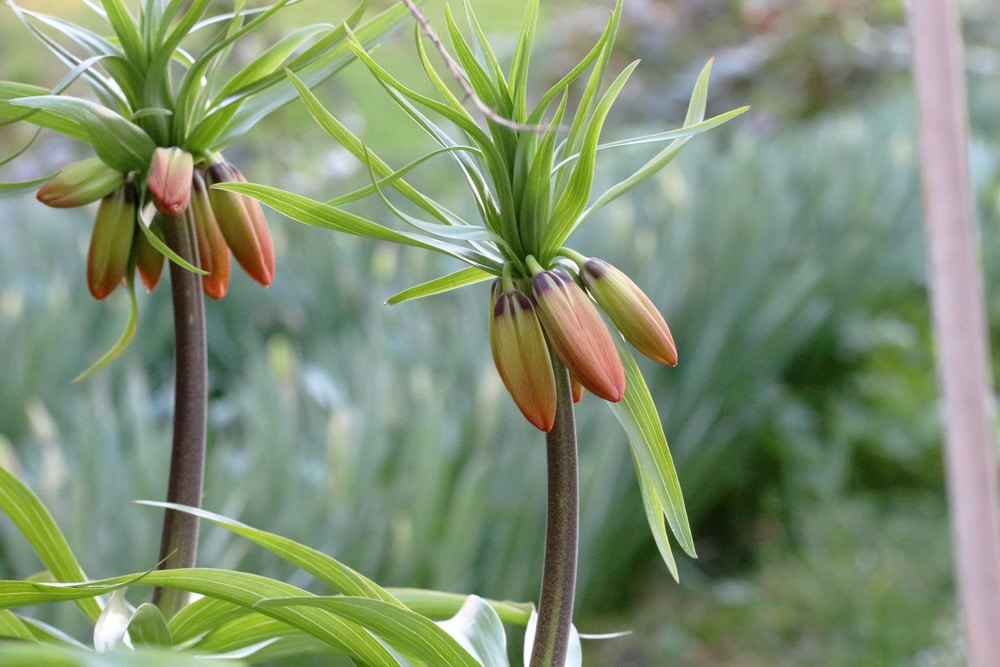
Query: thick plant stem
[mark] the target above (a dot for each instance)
(179, 541)
(555, 604)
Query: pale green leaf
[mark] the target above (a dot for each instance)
(125, 28)
(12, 190)
(654, 516)
(13, 627)
(35, 654)
(38, 527)
(438, 604)
(318, 214)
(147, 626)
(119, 142)
(574, 197)
(123, 341)
(477, 627)
(637, 414)
(328, 570)
(112, 624)
(414, 635)
(467, 276)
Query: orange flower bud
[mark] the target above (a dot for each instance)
(169, 179)
(242, 223)
(111, 241)
(213, 253)
(522, 358)
(80, 183)
(578, 334)
(630, 309)
(576, 389)
(148, 259)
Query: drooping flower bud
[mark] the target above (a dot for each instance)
(630, 309)
(80, 183)
(148, 259)
(521, 356)
(578, 334)
(242, 223)
(169, 179)
(213, 253)
(111, 241)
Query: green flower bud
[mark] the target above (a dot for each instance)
(578, 334)
(80, 183)
(111, 241)
(522, 358)
(169, 179)
(630, 309)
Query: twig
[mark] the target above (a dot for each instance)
(456, 73)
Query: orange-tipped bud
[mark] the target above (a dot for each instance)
(213, 253)
(148, 259)
(577, 389)
(578, 334)
(630, 309)
(169, 179)
(111, 241)
(80, 183)
(522, 358)
(242, 223)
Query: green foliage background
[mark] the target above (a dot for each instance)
(785, 251)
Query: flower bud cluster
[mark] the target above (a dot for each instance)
(556, 313)
(178, 186)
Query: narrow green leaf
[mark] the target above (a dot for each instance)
(270, 61)
(125, 28)
(518, 81)
(38, 527)
(12, 90)
(315, 213)
(34, 654)
(328, 570)
(12, 190)
(437, 604)
(589, 99)
(123, 341)
(318, 63)
(12, 626)
(654, 516)
(201, 616)
(414, 635)
(147, 627)
(638, 416)
(574, 197)
(467, 276)
(119, 142)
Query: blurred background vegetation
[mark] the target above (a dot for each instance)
(785, 251)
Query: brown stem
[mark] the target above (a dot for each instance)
(179, 542)
(555, 604)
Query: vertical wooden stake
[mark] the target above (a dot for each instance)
(959, 322)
